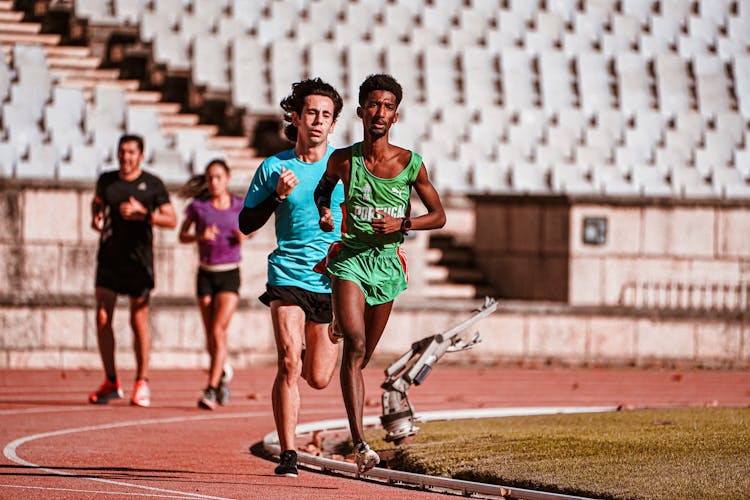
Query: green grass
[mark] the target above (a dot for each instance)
(649, 454)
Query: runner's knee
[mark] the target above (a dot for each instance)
(290, 365)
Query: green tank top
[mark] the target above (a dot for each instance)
(368, 193)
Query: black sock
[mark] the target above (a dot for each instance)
(112, 378)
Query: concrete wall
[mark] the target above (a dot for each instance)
(662, 254)
(47, 262)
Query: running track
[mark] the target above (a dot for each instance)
(57, 446)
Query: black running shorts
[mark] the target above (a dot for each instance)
(213, 282)
(317, 306)
(133, 281)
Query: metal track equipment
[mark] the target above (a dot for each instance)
(413, 367)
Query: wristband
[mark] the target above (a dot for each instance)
(278, 199)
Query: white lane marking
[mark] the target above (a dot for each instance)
(10, 450)
(95, 492)
(51, 409)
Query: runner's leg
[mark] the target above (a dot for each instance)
(321, 355)
(376, 318)
(139, 308)
(105, 308)
(225, 304)
(288, 327)
(348, 307)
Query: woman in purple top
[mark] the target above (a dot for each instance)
(211, 221)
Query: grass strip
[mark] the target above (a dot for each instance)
(638, 454)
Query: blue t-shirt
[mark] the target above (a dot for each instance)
(301, 243)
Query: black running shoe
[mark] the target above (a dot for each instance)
(210, 399)
(224, 393)
(287, 464)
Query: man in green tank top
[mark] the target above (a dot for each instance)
(368, 267)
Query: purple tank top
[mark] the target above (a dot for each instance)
(225, 248)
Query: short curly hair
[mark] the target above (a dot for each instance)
(294, 102)
(380, 81)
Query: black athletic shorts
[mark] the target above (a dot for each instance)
(213, 282)
(133, 281)
(317, 306)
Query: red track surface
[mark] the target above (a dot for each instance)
(175, 450)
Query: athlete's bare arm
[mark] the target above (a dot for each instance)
(97, 214)
(435, 216)
(338, 168)
(164, 216)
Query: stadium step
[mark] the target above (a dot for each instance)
(19, 27)
(163, 108)
(452, 272)
(75, 66)
(45, 39)
(143, 96)
(11, 16)
(73, 62)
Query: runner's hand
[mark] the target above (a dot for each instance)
(97, 221)
(287, 182)
(326, 220)
(210, 233)
(133, 210)
(385, 224)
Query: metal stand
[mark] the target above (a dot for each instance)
(414, 366)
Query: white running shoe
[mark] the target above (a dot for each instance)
(365, 458)
(228, 373)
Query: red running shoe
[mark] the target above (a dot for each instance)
(108, 390)
(141, 394)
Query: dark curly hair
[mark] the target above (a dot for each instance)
(294, 102)
(380, 81)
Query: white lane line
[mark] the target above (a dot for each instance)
(95, 492)
(52, 409)
(10, 450)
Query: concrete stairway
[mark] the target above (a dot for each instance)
(76, 67)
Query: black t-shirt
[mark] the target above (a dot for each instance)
(126, 244)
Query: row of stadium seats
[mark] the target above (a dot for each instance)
(601, 96)
(55, 131)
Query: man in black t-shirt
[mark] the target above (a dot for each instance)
(127, 204)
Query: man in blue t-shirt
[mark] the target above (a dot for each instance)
(299, 298)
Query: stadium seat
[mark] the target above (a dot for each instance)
(741, 71)
(479, 73)
(248, 83)
(509, 32)
(528, 178)
(210, 63)
(286, 66)
(440, 77)
(129, 11)
(672, 83)
(490, 177)
(567, 179)
(403, 61)
(96, 11)
(517, 80)
(41, 163)
(171, 49)
(556, 81)
(711, 85)
(593, 82)
(448, 175)
(325, 61)
(689, 182)
(8, 159)
(83, 163)
(247, 12)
